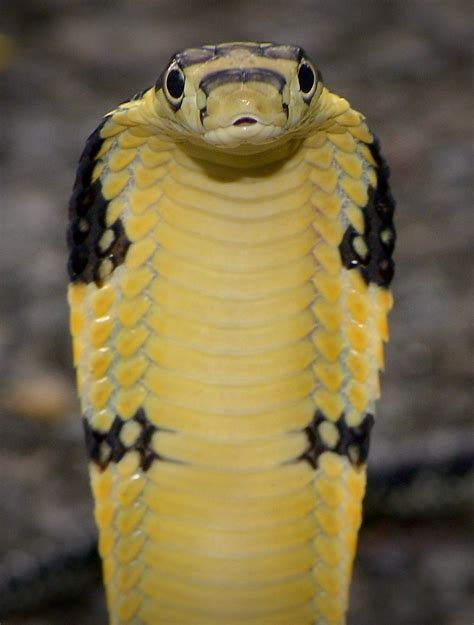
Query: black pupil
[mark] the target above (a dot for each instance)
(175, 83)
(306, 78)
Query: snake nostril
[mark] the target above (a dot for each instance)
(245, 121)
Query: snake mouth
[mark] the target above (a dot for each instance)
(244, 121)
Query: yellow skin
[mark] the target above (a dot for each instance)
(217, 319)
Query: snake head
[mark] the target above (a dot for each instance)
(238, 94)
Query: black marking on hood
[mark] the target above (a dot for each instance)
(88, 224)
(106, 447)
(379, 232)
(352, 441)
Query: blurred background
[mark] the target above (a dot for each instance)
(405, 64)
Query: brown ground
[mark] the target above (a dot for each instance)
(406, 65)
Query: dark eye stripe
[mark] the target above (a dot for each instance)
(290, 53)
(194, 56)
(222, 77)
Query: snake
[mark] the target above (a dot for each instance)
(230, 258)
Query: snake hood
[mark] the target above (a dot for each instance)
(238, 97)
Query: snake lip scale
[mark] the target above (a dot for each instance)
(230, 256)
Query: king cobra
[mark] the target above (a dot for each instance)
(231, 244)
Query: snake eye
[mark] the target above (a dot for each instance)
(174, 85)
(306, 78)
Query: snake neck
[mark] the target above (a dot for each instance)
(245, 157)
(145, 117)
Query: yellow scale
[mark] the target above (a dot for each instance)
(213, 316)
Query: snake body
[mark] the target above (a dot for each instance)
(230, 259)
